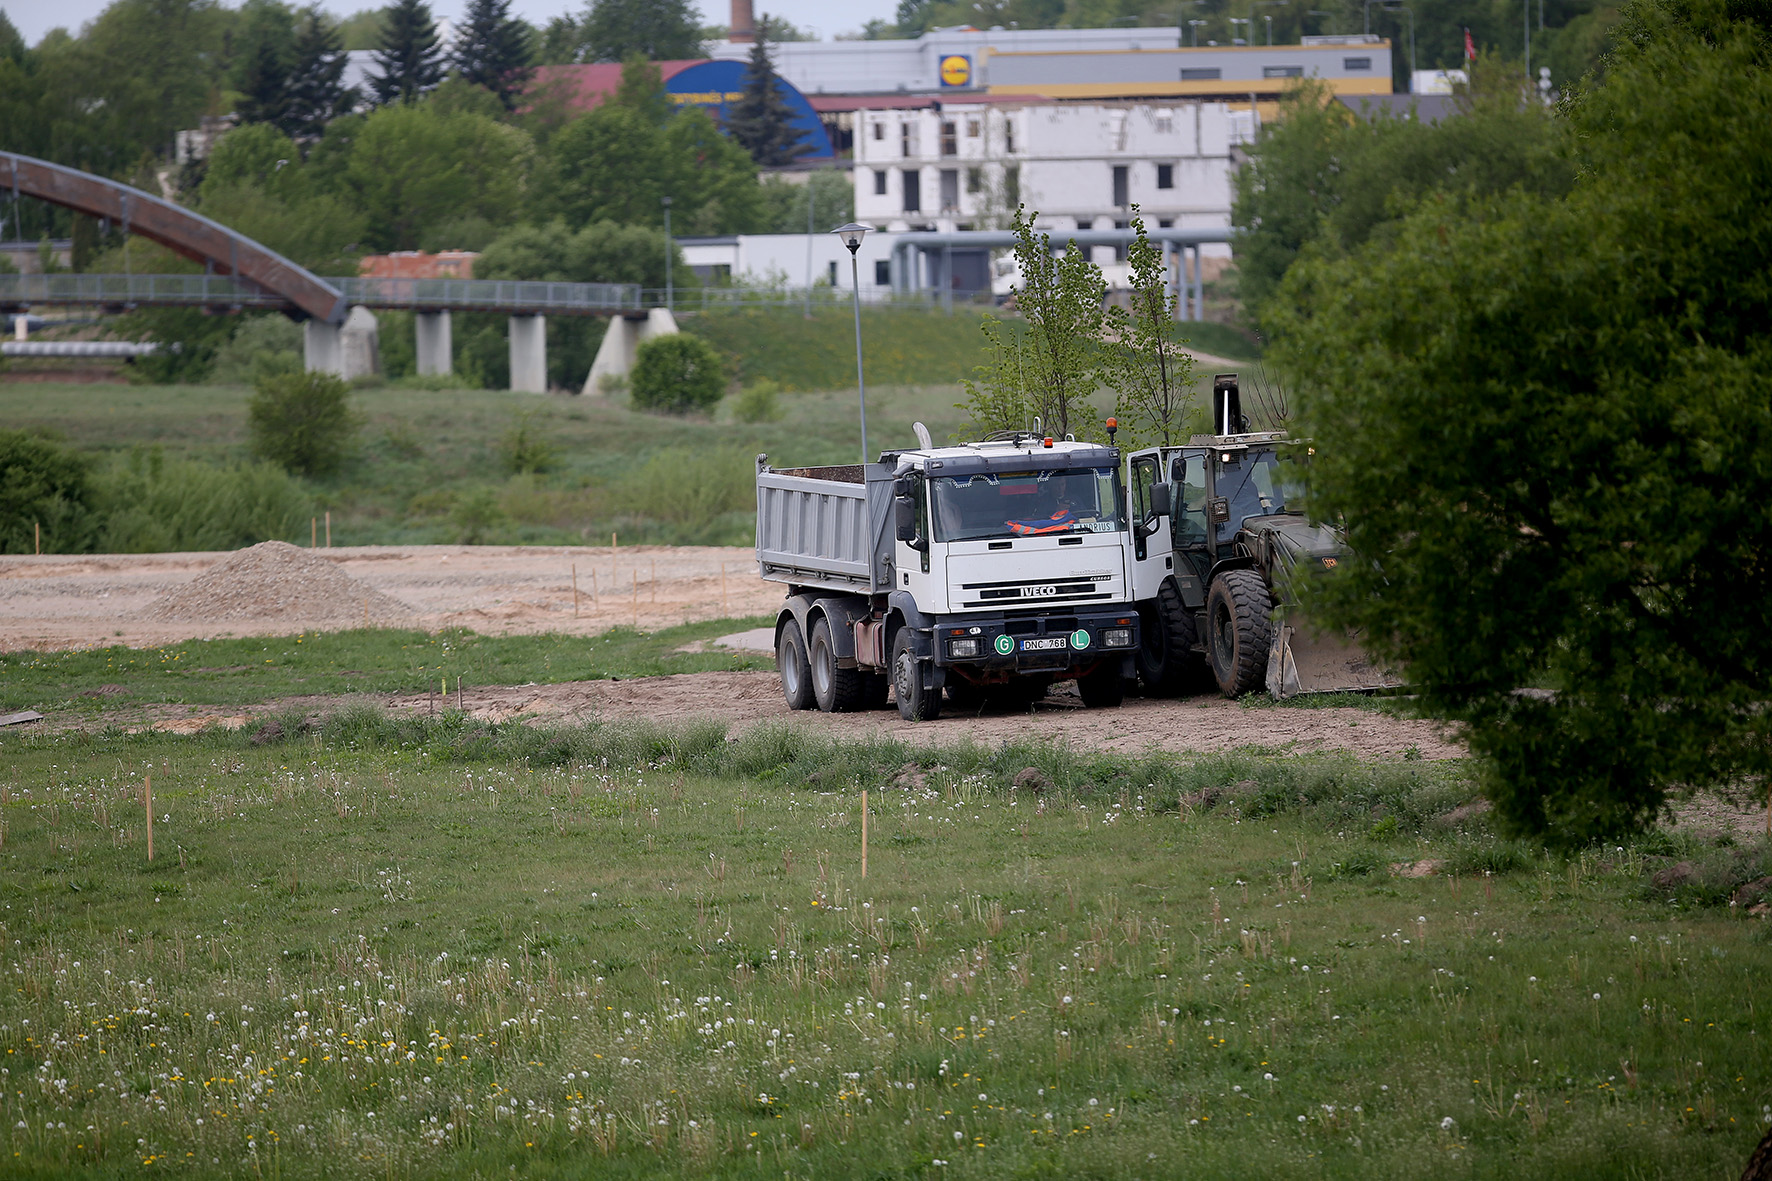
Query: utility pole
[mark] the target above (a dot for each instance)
(852, 235)
(670, 294)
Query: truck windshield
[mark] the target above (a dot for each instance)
(1028, 504)
(1257, 486)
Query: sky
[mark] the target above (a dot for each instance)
(34, 18)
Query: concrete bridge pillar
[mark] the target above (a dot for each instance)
(322, 350)
(435, 351)
(345, 350)
(529, 354)
(621, 344)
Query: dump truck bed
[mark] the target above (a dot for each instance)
(827, 527)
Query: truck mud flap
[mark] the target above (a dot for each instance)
(1303, 659)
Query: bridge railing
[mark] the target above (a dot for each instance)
(124, 290)
(224, 291)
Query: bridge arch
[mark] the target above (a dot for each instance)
(221, 250)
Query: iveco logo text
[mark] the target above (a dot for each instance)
(1038, 592)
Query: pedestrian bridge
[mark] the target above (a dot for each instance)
(241, 274)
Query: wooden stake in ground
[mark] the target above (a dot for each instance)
(613, 543)
(328, 528)
(37, 532)
(148, 797)
(864, 832)
(313, 532)
(458, 705)
(575, 590)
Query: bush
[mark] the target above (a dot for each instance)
(678, 374)
(262, 347)
(301, 422)
(524, 451)
(157, 505)
(43, 485)
(476, 515)
(758, 402)
(689, 489)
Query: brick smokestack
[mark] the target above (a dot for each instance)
(744, 23)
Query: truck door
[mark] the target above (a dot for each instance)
(1151, 559)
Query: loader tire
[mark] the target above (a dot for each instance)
(790, 662)
(1238, 631)
(837, 690)
(915, 703)
(1167, 663)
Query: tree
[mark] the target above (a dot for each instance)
(493, 50)
(642, 90)
(1060, 298)
(409, 59)
(1151, 375)
(678, 374)
(830, 191)
(45, 497)
(663, 30)
(1547, 423)
(264, 84)
(413, 166)
(302, 422)
(316, 90)
(761, 119)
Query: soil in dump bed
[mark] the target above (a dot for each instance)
(276, 580)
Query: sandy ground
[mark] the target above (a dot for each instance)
(76, 602)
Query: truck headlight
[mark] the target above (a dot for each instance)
(1116, 637)
(961, 649)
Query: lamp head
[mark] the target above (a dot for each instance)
(852, 235)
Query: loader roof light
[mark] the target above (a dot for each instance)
(1046, 442)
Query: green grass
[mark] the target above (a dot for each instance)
(1222, 340)
(404, 949)
(900, 347)
(258, 668)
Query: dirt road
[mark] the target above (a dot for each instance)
(59, 601)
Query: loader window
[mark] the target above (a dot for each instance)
(1256, 486)
(1187, 527)
(1028, 504)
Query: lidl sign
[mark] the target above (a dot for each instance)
(956, 70)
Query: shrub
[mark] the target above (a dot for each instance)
(262, 347)
(301, 422)
(758, 402)
(43, 485)
(678, 374)
(154, 505)
(688, 488)
(476, 515)
(525, 451)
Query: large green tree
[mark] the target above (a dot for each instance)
(316, 90)
(760, 118)
(410, 60)
(663, 30)
(493, 50)
(414, 166)
(1547, 424)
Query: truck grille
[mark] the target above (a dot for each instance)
(1010, 595)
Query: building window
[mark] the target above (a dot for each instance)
(882, 272)
(1282, 71)
(913, 190)
(975, 180)
(907, 140)
(1012, 185)
(1165, 176)
(1164, 121)
(833, 274)
(879, 182)
(949, 138)
(972, 129)
(1009, 136)
(950, 189)
(879, 129)
(1121, 196)
(1202, 74)
(1164, 223)
(1356, 63)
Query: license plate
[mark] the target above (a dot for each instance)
(1052, 644)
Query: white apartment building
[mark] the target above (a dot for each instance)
(967, 164)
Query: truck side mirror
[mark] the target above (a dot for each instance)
(901, 486)
(1160, 500)
(904, 518)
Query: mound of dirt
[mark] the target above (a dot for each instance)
(274, 580)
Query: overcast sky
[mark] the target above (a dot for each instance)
(827, 17)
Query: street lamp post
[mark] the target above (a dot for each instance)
(852, 235)
(1240, 20)
(670, 300)
(1410, 13)
(1268, 17)
(1194, 29)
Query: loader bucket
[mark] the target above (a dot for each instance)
(1304, 659)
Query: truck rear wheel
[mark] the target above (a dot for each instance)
(1102, 687)
(837, 690)
(790, 662)
(1238, 623)
(1167, 664)
(915, 703)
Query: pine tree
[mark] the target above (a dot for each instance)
(316, 91)
(761, 119)
(493, 50)
(264, 84)
(409, 58)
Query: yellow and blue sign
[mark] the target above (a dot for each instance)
(956, 70)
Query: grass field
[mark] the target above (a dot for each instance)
(404, 949)
(260, 668)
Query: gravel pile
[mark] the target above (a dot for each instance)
(274, 580)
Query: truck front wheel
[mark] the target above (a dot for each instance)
(915, 703)
(790, 661)
(837, 690)
(1238, 612)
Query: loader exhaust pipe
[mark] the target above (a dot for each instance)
(1227, 406)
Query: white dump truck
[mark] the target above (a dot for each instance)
(989, 568)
